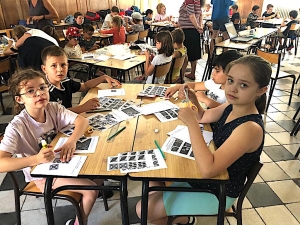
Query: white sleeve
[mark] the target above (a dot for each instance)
(208, 84)
(9, 142)
(156, 60)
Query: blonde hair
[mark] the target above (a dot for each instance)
(159, 7)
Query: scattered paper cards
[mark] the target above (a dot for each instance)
(153, 91)
(111, 92)
(157, 107)
(136, 161)
(102, 122)
(56, 167)
(179, 142)
(114, 103)
(167, 115)
(85, 145)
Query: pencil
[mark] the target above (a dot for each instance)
(115, 134)
(161, 152)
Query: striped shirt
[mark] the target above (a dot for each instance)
(188, 8)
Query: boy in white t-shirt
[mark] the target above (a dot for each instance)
(215, 86)
(108, 18)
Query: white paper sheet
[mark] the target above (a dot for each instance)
(72, 168)
(126, 113)
(87, 146)
(153, 91)
(123, 57)
(167, 115)
(101, 57)
(157, 107)
(111, 92)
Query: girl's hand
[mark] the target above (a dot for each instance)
(201, 96)
(171, 91)
(91, 104)
(188, 116)
(113, 82)
(66, 151)
(45, 155)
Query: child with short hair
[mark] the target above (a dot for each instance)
(179, 51)
(246, 87)
(87, 42)
(117, 30)
(38, 119)
(108, 18)
(235, 16)
(253, 16)
(137, 25)
(55, 66)
(214, 86)
(147, 21)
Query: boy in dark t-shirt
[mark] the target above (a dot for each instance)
(87, 42)
(235, 16)
(269, 14)
(80, 21)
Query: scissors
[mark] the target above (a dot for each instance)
(187, 100)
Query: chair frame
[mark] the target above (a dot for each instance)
(176, 63)
(132, 37)
(294, 27)
(143, 34)
(162, 69)
(275, 58)
(236, 210)
(7, 67)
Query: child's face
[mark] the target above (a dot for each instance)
(114, 14)
(234, 10)
(73, 41)
(88, 35)
(56, 68)
(163, 10)
(158, 44)
(218, 75)
(256, 12)
(79, 20)
(150, 16)
(241, 88)
(34, 94)
(269, 10)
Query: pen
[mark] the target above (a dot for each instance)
(98, 110)
(161, 152)
(115, 134)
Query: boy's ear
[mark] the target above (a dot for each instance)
(43, 68)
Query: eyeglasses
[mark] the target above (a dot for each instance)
(32, 93)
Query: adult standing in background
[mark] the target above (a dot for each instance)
(41, 13)
(190, 20)
(219, 18)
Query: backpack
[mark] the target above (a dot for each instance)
(103, 13)
(69, 19)
(135, 9)
(92, 15)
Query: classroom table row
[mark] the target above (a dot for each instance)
(140, 135)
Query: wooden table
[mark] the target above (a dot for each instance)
(63, 25)
(179, 168)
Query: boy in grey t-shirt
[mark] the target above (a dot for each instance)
(137, 25)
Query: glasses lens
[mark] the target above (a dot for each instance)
(33, 93)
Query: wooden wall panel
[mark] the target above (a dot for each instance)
(82, 6)
(245, 7)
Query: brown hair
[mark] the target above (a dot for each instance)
(178, 36)
(166, 40)
(19, 31)
(270, 6)
(261, 71)
(15, 84)
(51, 32)
(159, 7)
(52, 50)
(118, 21)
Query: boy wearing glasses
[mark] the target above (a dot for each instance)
(87, 42)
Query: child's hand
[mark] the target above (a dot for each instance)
(188, 116)
(113, 82)
(201, 96)
(191, 94)
(45, 155)
(66, 151)
(171, 91)
(91, 104)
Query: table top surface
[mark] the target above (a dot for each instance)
(270, 21)
(139, 135)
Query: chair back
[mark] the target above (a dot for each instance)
(236, 21)
(176, 64)
(143, 34)
(243, 20)
(5, 65)
(161, 70)
(132, 37)
(218, 40)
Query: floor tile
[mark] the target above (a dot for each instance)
(278, 153)
(284, 138)
(261, 195)
(258, 179)
(291, 168)
(250, 217)
(8, 218)
(34, 203)
(277, 116)
(34, 217)
(282, 107)
(297, 181)
(288, 125)
(264, 158)
(276, 100)
(208, 220)
(293, 148)
(271, 172)
(272, 109)
(273, 127)
(295, 209)
(277, 215)
(287, 191)
(269, 140)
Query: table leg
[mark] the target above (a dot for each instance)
(222, 203)
(123, 201)
(144, 210)
(48, 201)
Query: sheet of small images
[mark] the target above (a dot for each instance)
(167, 115)
(69, 130)
(84, 146)
(114, 103)
(127, 113)
(153, 91)
(102, 122)
(136, 161)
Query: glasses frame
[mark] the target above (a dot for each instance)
(35, 91)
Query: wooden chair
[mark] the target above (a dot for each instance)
(297, 125)
(132, 38)
(161, 70)
(236, 211)
(275, 59)
(237, 22)
(288, 40)
(5, 67)
(176, 64)
(31, 189)
(243, 21)
(143, 34)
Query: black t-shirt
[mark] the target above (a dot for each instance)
(287, 31)
(233, 18)
(64, 96)
(268, 25)
(87, 44)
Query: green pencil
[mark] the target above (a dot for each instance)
(115, 134)
(161, 152)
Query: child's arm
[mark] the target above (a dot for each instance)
(68, 149)
(91, 104)
(22, 39)
(202, 97)
(126, 25)
(197, 86)
(7, 50)
(86, 86)
(149, 68)
(93, 48)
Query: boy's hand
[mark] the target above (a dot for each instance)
(66, 151)
(113, 82)
(201, 96)
(45, 155)
(91, 104)
(171, 91)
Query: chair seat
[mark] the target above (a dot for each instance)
(32, 188)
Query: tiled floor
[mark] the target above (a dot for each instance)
(274, 198)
